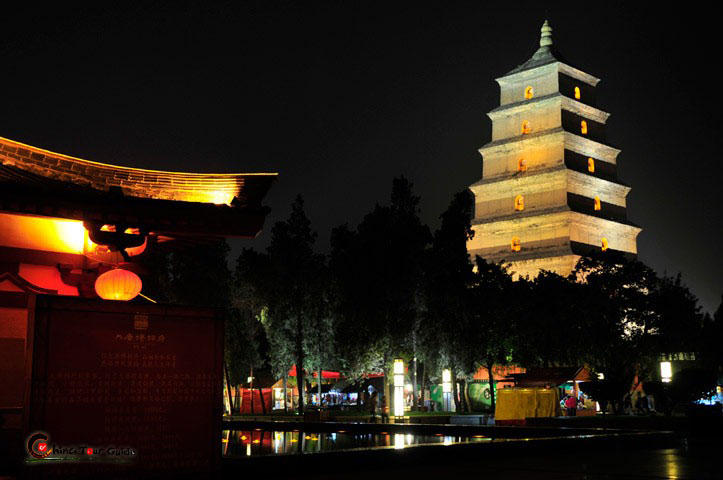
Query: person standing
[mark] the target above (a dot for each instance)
(571, 406)
(373, 407)
(384, 409)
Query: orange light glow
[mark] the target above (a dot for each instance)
(515, 244)
(42, 233)
(133, 251)
(526, 127)
(519, 203)
(521, 165)
(591, 165)
(583, 127)
(577, 93)
(597, 204)
(256, 441)
(529, 93)
(220, 198)
(605, 244)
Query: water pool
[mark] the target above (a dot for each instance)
(259, 442)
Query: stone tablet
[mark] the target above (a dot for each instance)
(139, 385)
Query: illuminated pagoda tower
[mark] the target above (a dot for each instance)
(549, 191)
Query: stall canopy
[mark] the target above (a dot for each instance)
(540, 377)
(333, 375)
(324, 374)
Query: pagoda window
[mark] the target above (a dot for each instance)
(597, 204)
(583, 127)
(591, 165)
(519, 203)
(521, 165)
(577, 93)
(529, 93)
(605, 244)
(515, 244)
(526, 127)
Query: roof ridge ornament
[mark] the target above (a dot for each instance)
(546, 35)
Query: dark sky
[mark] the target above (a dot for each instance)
(340, 97)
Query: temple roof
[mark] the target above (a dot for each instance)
(544, 55)
(38, 182)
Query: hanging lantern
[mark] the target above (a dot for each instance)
(118, 284)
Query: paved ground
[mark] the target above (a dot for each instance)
(640, 465)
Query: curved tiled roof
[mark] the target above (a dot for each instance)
(217, 188)
(34, 181)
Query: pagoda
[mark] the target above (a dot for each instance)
(549, 192)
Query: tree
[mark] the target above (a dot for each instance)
(494, 305)
(711, 340)
(247, 341)
(551, 322)
(679, 320)
(618, 296)
(378, 275)
(448, 322)
(289, 280)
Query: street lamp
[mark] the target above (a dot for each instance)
(447, 389)
(398, 387)
(666, 371)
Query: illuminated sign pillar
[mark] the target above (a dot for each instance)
(447, 389)
(398, 388)
(666, 371)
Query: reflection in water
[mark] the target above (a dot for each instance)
(260, 442)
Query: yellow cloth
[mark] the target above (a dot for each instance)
(521, 403)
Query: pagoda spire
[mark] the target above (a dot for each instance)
(546, 35)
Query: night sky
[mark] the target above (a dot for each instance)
(340, 97)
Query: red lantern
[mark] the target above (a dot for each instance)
(118, 284)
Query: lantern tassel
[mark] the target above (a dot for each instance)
(147, 298)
